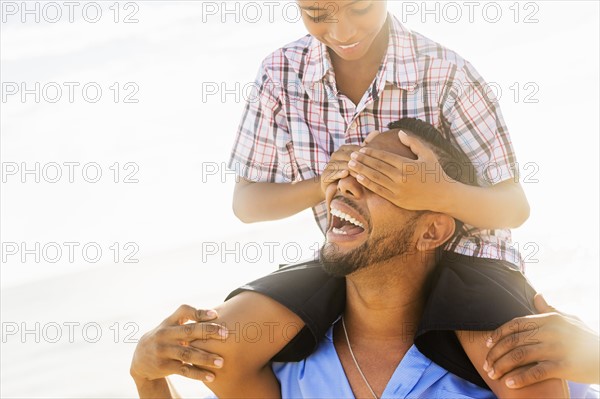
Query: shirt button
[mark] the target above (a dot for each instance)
(353, 126)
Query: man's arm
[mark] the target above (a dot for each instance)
(474, 344)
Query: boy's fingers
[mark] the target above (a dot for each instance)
(370, 137)
(417, 147)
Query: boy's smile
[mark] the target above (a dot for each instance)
(348, 28)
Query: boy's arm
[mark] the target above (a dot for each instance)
(502, 205)
(257, 202)
(261, 201)
(474, 344)
(421, 184)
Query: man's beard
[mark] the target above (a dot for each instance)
(370, 252)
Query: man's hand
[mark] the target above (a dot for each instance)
(412, 184)
(165, 350)
(561, 345)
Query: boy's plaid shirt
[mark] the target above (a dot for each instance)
(294, 119)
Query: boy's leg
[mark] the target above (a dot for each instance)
(473, 343)
(309, 294)
(469, 294)
(280, 317)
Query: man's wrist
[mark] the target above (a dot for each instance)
(141, 381)
(146, 388)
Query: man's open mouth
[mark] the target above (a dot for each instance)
(343, 223)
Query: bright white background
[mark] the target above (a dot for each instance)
(179, 215)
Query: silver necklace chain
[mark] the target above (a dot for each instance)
(355, 361)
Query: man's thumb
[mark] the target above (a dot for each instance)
(541, 305)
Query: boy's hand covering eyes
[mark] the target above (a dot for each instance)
(337, 168)
(413, 184)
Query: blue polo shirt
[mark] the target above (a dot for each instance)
(321, 375)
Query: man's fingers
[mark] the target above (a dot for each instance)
(516, 325)
(518, 357)
(195, 356)
(206, 314)
(510, 342)
(186, 313)
(541, 305)
(192, 331)
(531, 374)
(189, 371)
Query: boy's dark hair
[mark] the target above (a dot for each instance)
(453, 161)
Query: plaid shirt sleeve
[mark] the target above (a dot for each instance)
(262, 151)
(477, 125)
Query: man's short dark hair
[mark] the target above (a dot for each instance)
(453, 161)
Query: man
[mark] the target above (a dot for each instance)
(386, 290)
(386, 254)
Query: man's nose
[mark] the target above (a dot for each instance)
(349, 186)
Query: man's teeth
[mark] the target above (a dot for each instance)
(349, 46)
(344, 216)
(338, 231)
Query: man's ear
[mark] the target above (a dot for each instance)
(437, 228)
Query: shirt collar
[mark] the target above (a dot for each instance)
(318, 63)
(401, 58)
(400, 63)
